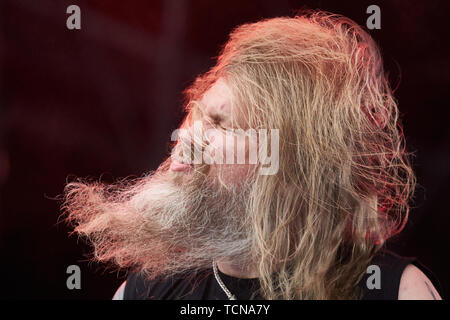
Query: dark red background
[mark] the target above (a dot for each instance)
(104, 100)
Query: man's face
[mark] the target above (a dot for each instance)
(214, 122)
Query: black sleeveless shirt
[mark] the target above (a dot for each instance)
(202, 285)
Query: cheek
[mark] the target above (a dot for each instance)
(224, 149)
(232, 168)
(234, 173)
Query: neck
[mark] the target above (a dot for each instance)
(237, 271)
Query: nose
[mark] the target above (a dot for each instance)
(182, 150)
(188, 150)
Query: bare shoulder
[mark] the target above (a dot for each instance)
(119, 295)
(415, 285)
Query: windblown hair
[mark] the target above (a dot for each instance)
(344, 179)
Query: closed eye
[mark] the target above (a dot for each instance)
(217, 123)
(215, 120)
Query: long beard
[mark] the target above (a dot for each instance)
(163, 223)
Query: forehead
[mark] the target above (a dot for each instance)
(217, 99)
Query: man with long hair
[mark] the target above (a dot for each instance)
(300, 209)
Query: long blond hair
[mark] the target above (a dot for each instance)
(344, 179)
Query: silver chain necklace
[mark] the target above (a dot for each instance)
(221, 284)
